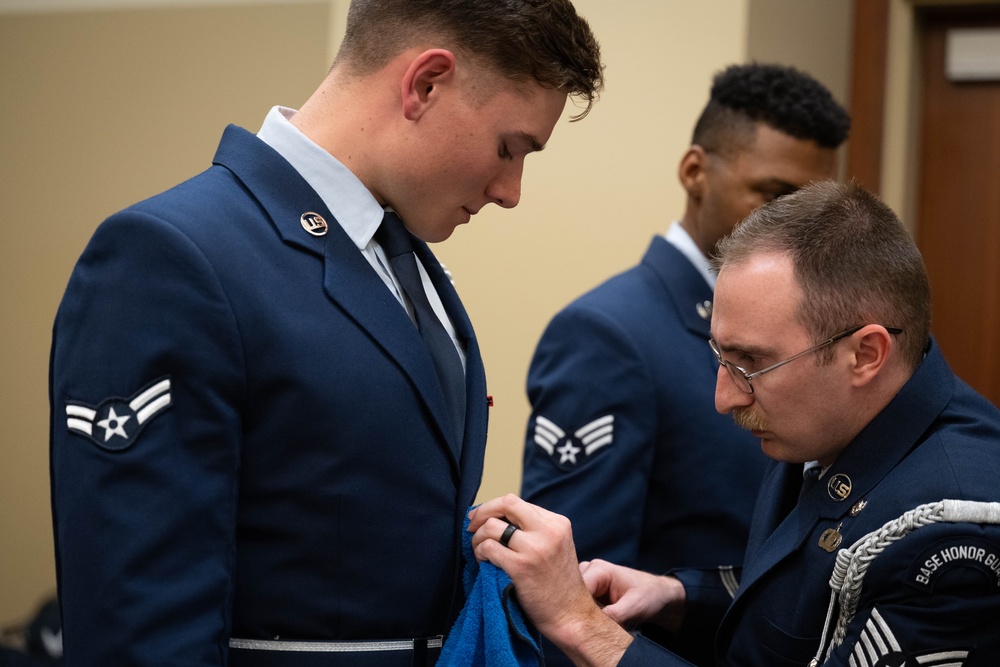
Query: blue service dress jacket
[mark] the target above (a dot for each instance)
(624, 438)
(248, 440)
(929, 598)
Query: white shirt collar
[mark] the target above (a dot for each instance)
(680, 239)
(354, 207)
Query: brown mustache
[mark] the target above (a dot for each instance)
(749, 419)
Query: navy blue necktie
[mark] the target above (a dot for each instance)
(395, 240)
(810, 476)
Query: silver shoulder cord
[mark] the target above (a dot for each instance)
(853, 562)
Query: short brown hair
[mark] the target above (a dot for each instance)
(854, 261)
(541, 40)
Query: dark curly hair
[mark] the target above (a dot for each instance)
(545, 41)
(782, 97)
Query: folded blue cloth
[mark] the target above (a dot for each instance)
(491, 630)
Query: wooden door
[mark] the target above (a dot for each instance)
(958, 211)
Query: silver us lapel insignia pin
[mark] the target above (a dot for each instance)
(839, 487)
(313, 223)
(831, 538)
(704, 310)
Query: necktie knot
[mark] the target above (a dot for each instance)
(392, 236)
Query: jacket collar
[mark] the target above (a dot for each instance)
(348, 279)
(690, 294)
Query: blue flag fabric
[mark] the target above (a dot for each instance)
(491, 630)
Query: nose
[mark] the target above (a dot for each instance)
(505, 189)
(727, 394)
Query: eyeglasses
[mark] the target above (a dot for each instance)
(744, 380)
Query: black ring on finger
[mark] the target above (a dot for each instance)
(507, 532)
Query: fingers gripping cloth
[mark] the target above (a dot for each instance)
(491, 630)
(853, 562)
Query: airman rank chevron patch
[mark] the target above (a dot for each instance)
(567, 451)
(116, 423)
(878, 646)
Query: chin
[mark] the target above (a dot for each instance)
(434, 233)
(440, 235)
(775, 450)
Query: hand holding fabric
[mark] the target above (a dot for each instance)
(541, 561)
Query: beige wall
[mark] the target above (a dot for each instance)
(101, 108)
(813, 35)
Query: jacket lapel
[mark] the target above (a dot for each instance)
(348, 278)
(776, 532)
(350, 281)
(687, 288)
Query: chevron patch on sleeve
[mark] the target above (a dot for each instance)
(878, 646)
(115, 423)
(569, 450)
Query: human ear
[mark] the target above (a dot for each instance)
(870, 353)
(425, 74)
(691, 172)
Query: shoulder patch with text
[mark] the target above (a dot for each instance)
(116, 423)
(970, 553)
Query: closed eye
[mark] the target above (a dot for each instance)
(518, 143)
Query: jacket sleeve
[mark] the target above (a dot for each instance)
(645, 653)
(145, 385)
(708, 593)
(588, 448)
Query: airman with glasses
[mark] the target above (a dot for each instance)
(876, 406)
